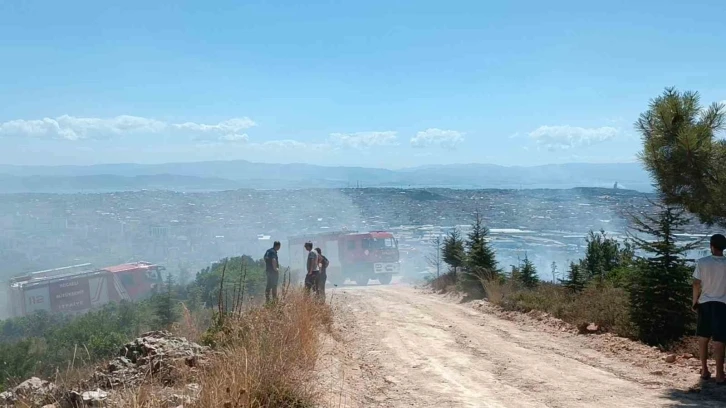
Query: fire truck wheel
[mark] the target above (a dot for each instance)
(361, 280)
(385, 279)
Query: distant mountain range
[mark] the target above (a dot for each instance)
(225, 175)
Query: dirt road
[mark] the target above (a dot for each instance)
(401, 347)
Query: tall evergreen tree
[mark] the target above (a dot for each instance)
(683, 153)
(453, 250)
(528, 275)
(164, 303)
(660, 293)
(575, 281)
(481, 263)
(515, 273)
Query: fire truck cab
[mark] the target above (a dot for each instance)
(359, 257)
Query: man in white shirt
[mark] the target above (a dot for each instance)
(709, 301)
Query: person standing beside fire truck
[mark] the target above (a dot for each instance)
(272, 269)
(323, 277)
(313, 268)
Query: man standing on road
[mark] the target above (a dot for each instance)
(272, 268)
(323, 274)
(313, 268)
(709, 301)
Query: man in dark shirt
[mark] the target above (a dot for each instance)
(313, 268)
(323, 277)
(272, 267)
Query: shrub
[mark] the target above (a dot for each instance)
(604, 305)
(498, 290)
(444, 283)
(546, 297)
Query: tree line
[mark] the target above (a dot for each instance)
(650, 268)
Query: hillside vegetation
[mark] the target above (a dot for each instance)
(263, 354)
(637, 288)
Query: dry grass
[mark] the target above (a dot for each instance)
(264, 356)
(605, 305)
(444, 283)
(192, 324)
(495, 291)
(268, 356)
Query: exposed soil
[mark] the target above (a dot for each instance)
(399, 346)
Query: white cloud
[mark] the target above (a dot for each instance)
(234, 137)
(231, 126)
(289, 144)
(362, 140)
(437, 137)
(74, 128)
(569, 137)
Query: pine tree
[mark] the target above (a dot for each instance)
(481, 263)
(528, 275)
(575, 281)
(164, 304)
(515, 273)
(660, 293)
(453, 250)
(684, 154)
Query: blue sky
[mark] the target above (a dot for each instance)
(370, 83)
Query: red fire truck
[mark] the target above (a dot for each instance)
(359, 257)
(79, 288)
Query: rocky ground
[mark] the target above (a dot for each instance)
(401, 346)
(156, 363)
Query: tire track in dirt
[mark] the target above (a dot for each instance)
(408, 348)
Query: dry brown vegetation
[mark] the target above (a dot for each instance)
(267, 356)
(604, 305)
(262, 356)
(444, 283)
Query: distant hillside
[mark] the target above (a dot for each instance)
(223, 175)
(108, 183)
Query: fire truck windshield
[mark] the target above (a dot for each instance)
(379, 243)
